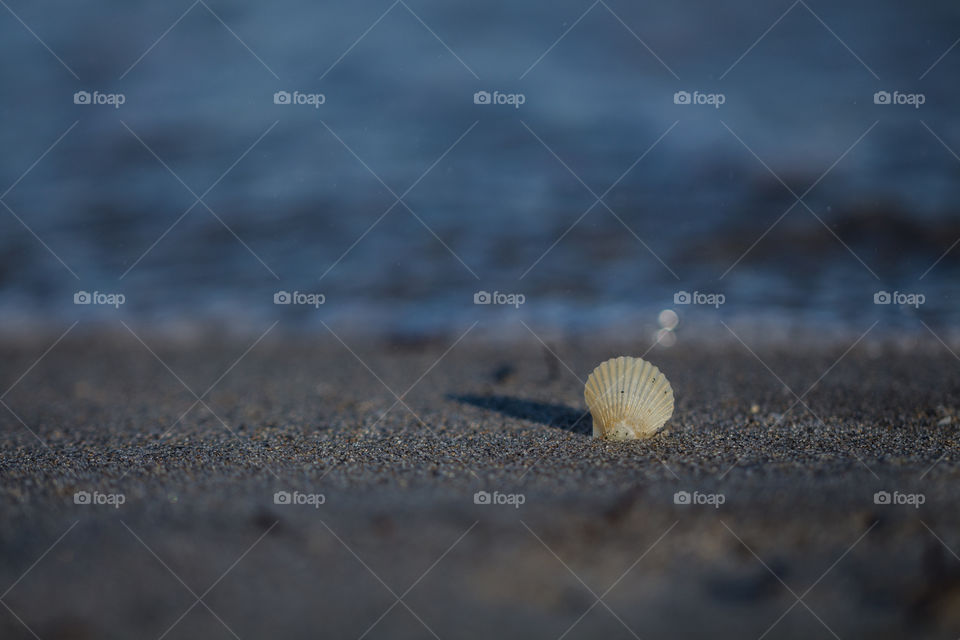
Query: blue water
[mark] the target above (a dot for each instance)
(485, 216)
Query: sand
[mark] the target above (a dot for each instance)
(388, 542)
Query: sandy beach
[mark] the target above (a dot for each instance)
(377, 531)
(298, 301)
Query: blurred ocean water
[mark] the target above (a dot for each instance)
(223, 178)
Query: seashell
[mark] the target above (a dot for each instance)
(628, 398)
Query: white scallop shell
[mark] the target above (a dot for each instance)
(628, 398)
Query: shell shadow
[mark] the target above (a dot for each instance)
(553, 415)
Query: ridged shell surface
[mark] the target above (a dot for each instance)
(628, 398)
